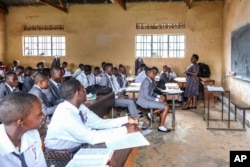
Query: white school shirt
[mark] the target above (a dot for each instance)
(30, 146)
(83, 79)
(66, 129)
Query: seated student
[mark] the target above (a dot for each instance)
(171, 74)
(82, 77)
(28, 80)
(78, 71)
(90, 76)
(97, 74)
(41, 82)
(10, 85)
(20, 76)
(52, 92)
(82, 125)
(20, 142)
(123, 72)
(14, 66)
(118, 76)
(141, 75)
(148, 99)
(109, 80)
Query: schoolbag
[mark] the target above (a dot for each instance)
(204, 70)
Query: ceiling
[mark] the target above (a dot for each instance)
(63, 4)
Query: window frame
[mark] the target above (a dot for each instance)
(159, 45)
(44, 45)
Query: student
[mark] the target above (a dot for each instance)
(29, 80)
(20, 142)
(109, 80)
(41, 82)
(148, 99)
(141, 75)
(78, 71)
(82, 125)
(52, 92)
(10, 85)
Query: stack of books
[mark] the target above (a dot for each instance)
(91, 157)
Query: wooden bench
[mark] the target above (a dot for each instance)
(242, 106)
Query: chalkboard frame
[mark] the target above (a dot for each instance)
(240, 52)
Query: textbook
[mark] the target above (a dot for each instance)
(215, 88)
(92, 157)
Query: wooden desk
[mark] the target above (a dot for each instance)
(102, 105)
(207, 82)
(124, 157)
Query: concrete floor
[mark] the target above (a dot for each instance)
(191, 144)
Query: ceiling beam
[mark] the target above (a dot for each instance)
(3, 8)
(61, 7)
(120, 2)
(189, 3)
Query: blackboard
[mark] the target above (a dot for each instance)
(240, 52)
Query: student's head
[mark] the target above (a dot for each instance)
(115, 71)
(64, 64)
(19, 70)
(81, 66)
(42, 80)
(56, 74)
(108, 68)
(11, 79)
(22, 110)
(150, 72)
(71, 89)
(194, 58)
(97, 71)
(156, 70)
(40, 66)
(142, 66)
(103, 64)
(165, 68)
(87, 69)
(122, 69)
(28, 71)
(15, 63)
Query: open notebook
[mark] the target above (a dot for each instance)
(91, 157)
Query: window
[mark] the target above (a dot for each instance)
(160, 46)
(44, 45)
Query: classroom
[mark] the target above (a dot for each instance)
(106, 31)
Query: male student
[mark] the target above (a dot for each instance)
(52, 92)
(109, 80)
(41, 82)
(73, 124)
(20, 142)
(10, 85)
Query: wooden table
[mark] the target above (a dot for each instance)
(102, 105)
(207, 95)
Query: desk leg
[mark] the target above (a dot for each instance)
(229, 101)
(208, 103)
(173, 111)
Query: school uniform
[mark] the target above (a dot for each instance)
(6, 89)
(110, 81)
(27, 84)
(91, 129)
(52, 92)
(31, 149)
(47, 107)
(147, 98)
(83, 79)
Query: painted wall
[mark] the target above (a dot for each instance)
(2, 37)
(236, 14)
(105, 32)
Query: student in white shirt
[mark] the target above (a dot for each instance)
(78, 71)
(74, 124)
(20, 142)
